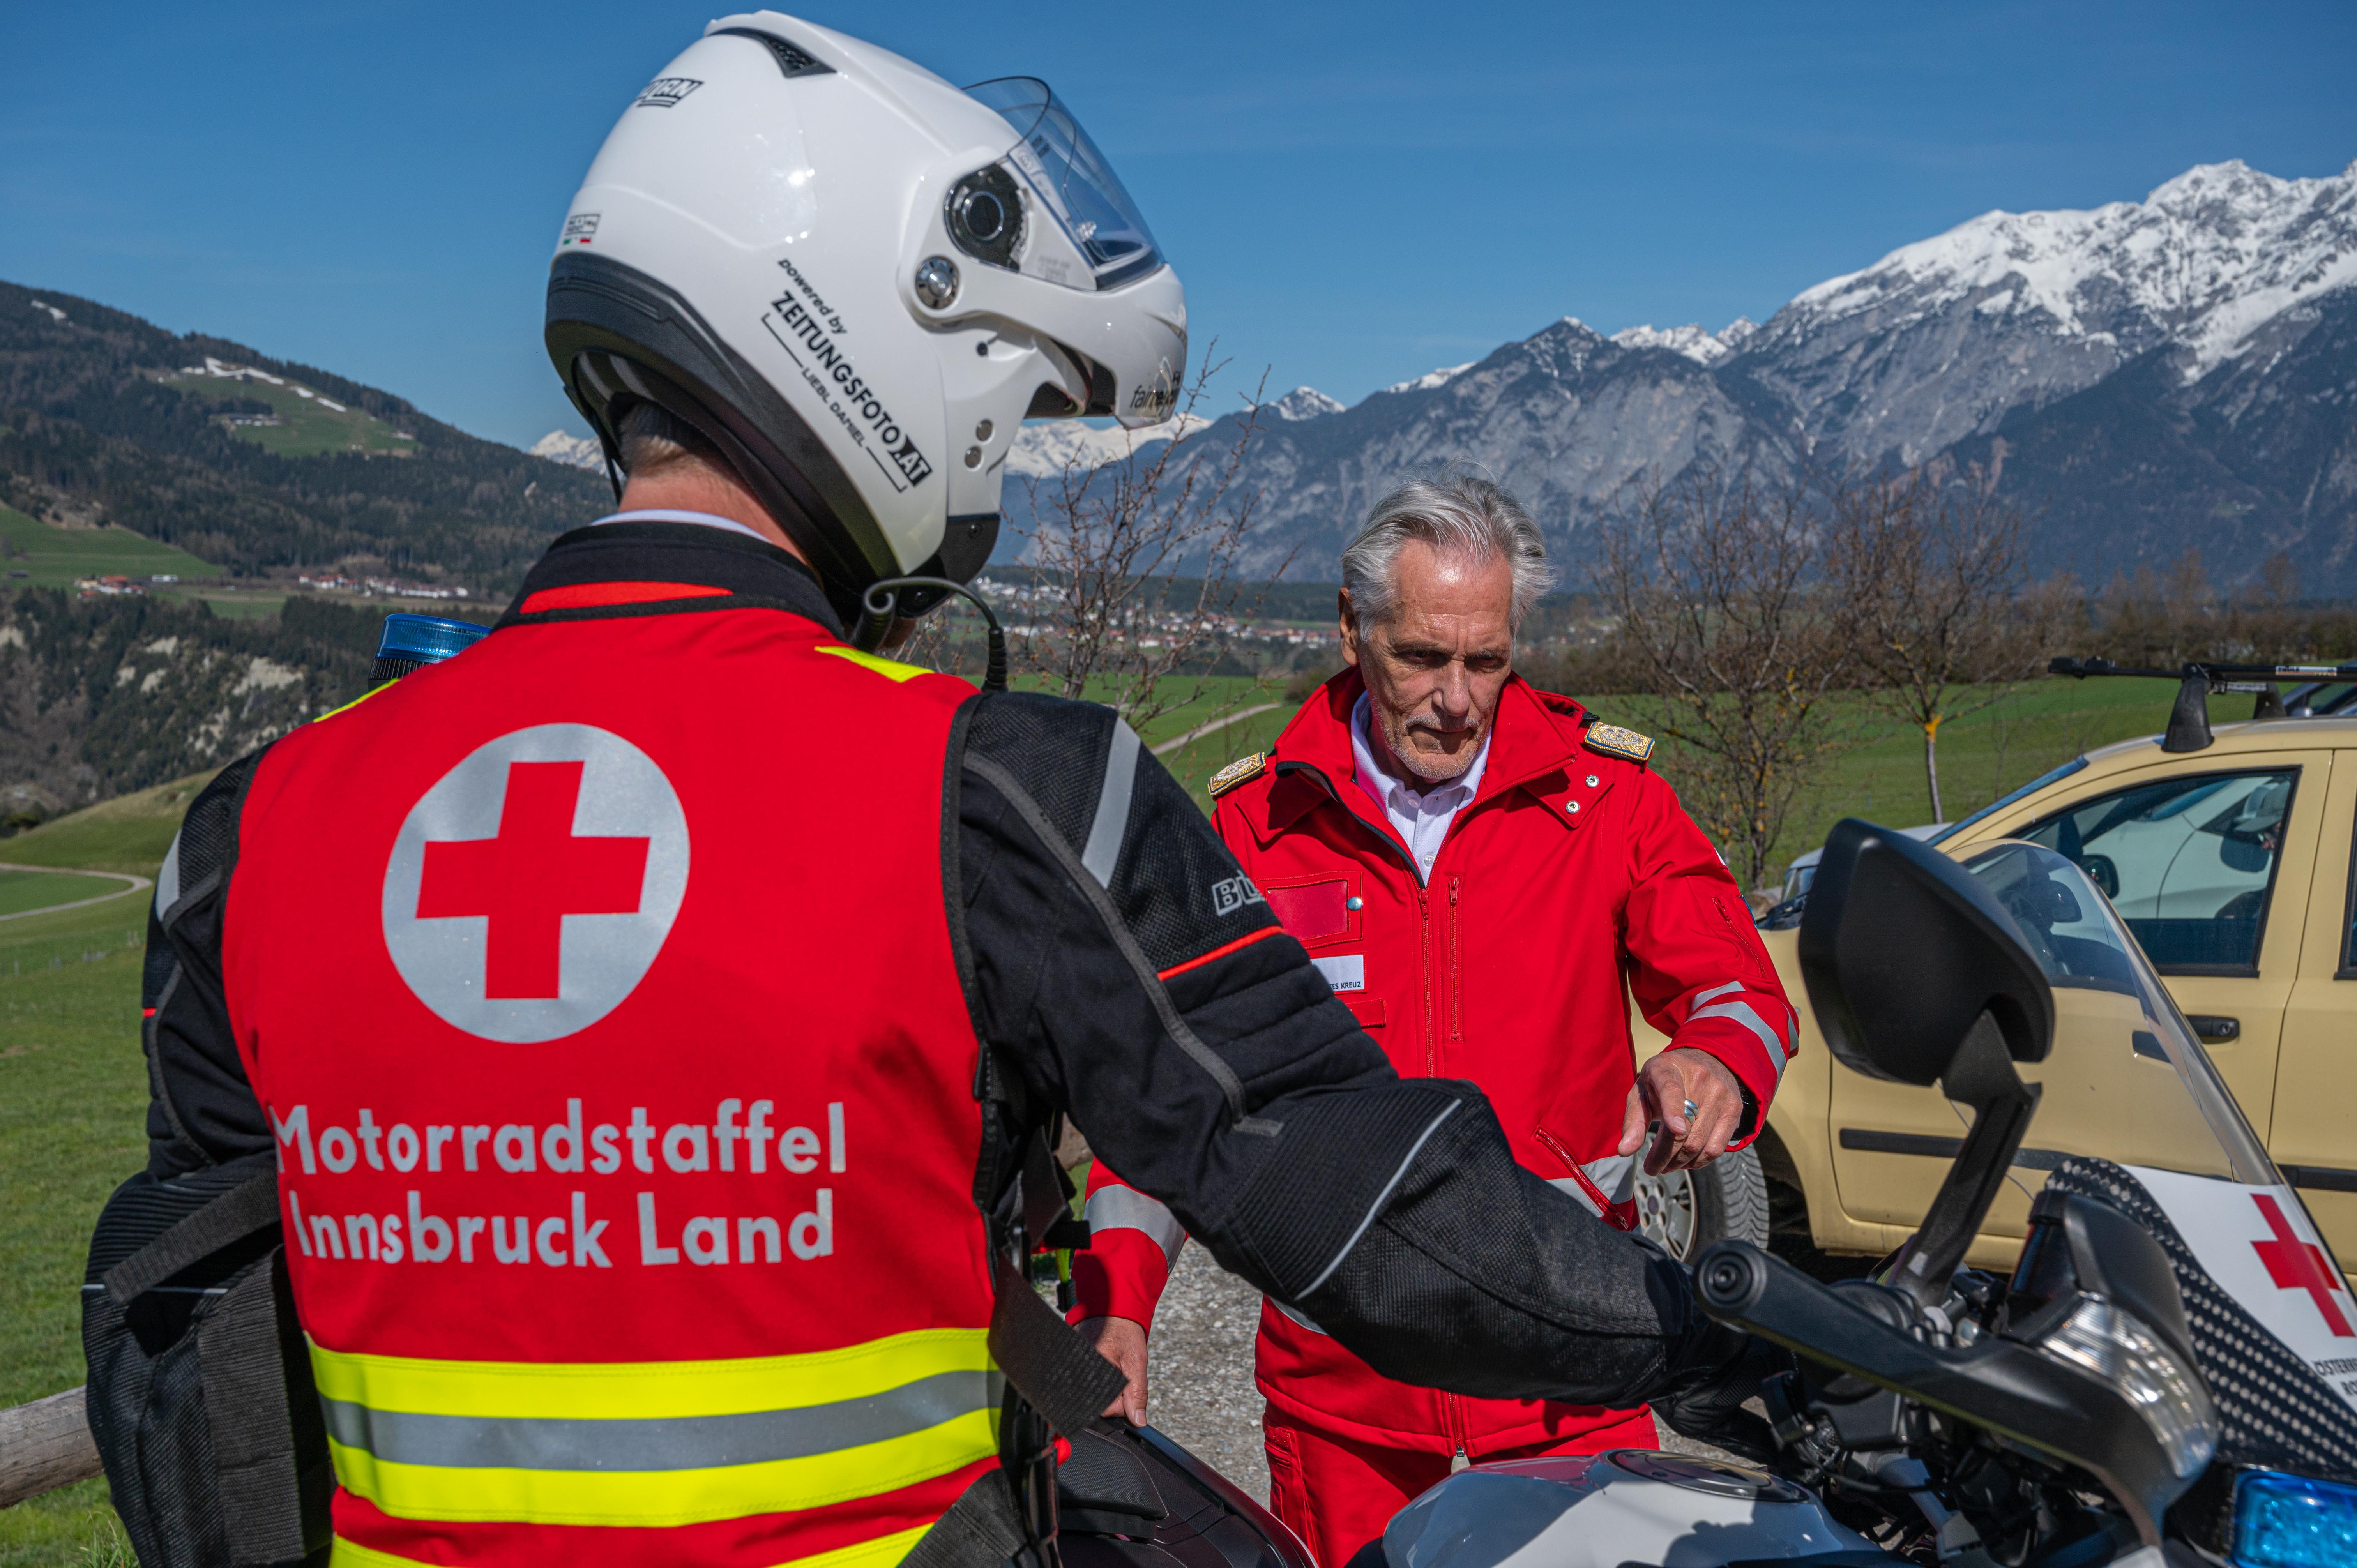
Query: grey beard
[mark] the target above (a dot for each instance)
(1408, 758)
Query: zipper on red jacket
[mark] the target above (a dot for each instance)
(1456, 962)
(1424, 960)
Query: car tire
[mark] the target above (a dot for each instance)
(1685, 1211)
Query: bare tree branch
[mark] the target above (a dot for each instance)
(1109, 542)
(1715, 582)
(1928, 573)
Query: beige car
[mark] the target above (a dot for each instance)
(2232, 866)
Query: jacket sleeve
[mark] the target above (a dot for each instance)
(1696, 966)
(1118, 958)
(200, 1109)
(1133, 1243)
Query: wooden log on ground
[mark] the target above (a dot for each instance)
(44, 1446)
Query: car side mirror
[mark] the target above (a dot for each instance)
(1903, 952)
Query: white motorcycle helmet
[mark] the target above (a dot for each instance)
(858, 281)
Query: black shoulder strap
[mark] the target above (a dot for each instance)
(251, 1206)
(982, 1530)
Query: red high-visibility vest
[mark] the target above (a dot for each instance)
(599, 988)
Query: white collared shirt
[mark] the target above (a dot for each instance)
(669, 514)
(1420, 820)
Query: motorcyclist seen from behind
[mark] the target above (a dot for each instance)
(567, 934)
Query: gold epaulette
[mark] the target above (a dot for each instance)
(1243, 771)
(1614, 741)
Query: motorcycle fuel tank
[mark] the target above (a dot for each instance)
(1606, 1509)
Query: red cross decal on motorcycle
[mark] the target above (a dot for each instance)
(2295, 1264)
(529, 878)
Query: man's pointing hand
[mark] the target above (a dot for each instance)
(1665, 1087)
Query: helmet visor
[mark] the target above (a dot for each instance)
(1072, 180)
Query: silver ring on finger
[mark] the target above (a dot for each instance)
(1693, 1110)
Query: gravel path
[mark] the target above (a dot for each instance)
(1199, 1373)
(1199, 1369)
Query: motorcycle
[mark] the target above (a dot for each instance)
(2168, 1377)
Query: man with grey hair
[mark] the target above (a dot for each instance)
(1474, 866)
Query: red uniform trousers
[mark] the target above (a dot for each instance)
(1357, 1486)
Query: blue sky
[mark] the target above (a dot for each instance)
(1354, 194)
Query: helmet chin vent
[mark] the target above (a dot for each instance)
(790, 60)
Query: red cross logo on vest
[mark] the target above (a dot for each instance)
(532, 885)
(2295, 1264)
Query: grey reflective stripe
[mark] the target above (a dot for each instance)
(1111, 822)
(1126, 1208)
(1702, 997)
(1743, 1014)
(1573, 1186)
(1383, 1197)
(1231, 1087)
(1615, 1177)
(168, 879)
(1295, 1314)
(663, 1443)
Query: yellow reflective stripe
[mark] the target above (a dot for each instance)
(884, 1552)
(356, 701)
(883, 666)
(592, 1391)
(658, 1498)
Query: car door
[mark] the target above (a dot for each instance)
(2313, 1136)
(2210, 869)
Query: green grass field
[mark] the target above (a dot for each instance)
(1982, 755)
(127, 833)
(22, 892)
(238, 607)
(73, 1097)
(53, 557)
(307, 428)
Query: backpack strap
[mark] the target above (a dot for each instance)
(244, 1209)
(273, 1506)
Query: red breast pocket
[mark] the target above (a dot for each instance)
(1367, 1010)
(1313, 912)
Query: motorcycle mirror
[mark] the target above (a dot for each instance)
(1903, 952)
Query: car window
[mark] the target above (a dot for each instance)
(2189, 862)
(2348, 924)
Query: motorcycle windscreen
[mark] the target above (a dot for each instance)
(2129, 1082)
(1072, 178)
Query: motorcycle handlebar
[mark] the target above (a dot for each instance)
(2006, 1388)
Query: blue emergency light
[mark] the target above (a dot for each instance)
(412, 642)
(2289, 1521)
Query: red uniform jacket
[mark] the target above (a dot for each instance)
(1572, 866)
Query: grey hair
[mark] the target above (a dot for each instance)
(1462, 516)
(651, 436)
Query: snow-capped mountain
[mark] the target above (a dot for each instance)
(572, 451)
(1942, 338)
(1431, 378)
(1702, 346)
(1305, 402)
(2146, 376)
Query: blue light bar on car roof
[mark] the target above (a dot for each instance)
(2289, 1521)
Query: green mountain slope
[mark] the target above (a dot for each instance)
(100, 696)
(102, 423)
(38, 554)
